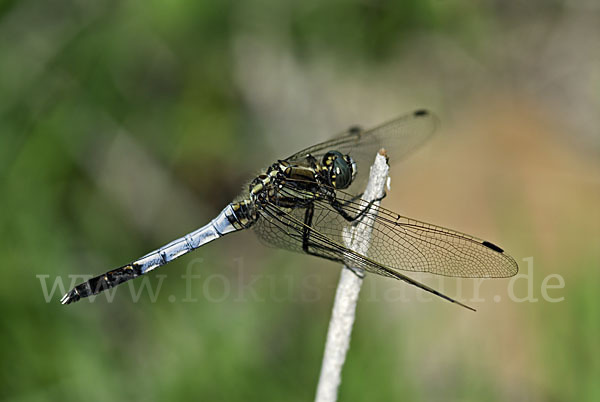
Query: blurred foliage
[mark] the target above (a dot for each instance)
(124, 124)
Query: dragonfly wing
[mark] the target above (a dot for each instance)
(285, 229)
(279, 228)
(400, 137)
(404, 244)
(285, 224)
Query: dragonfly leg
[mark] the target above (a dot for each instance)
(353, 199)
(308, 217)
(339, 207)
(310, 248)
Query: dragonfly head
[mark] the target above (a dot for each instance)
(341, 169)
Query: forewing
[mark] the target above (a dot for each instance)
(405, 244)
(399, 137)
(397, 243)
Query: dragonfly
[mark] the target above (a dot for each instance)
(307, 201)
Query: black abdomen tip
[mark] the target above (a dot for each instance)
(492, 246)
(421, 112)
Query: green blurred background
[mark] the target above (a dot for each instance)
(125, 124)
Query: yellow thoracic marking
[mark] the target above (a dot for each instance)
(257, 188)
(264, 180)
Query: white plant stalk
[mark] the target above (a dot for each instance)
(346, 297)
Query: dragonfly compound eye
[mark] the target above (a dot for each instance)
(341, 169)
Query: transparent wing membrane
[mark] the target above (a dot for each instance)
(397, 242)
(399, 136)
(277, 224)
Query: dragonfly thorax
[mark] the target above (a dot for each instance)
(266, 183)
